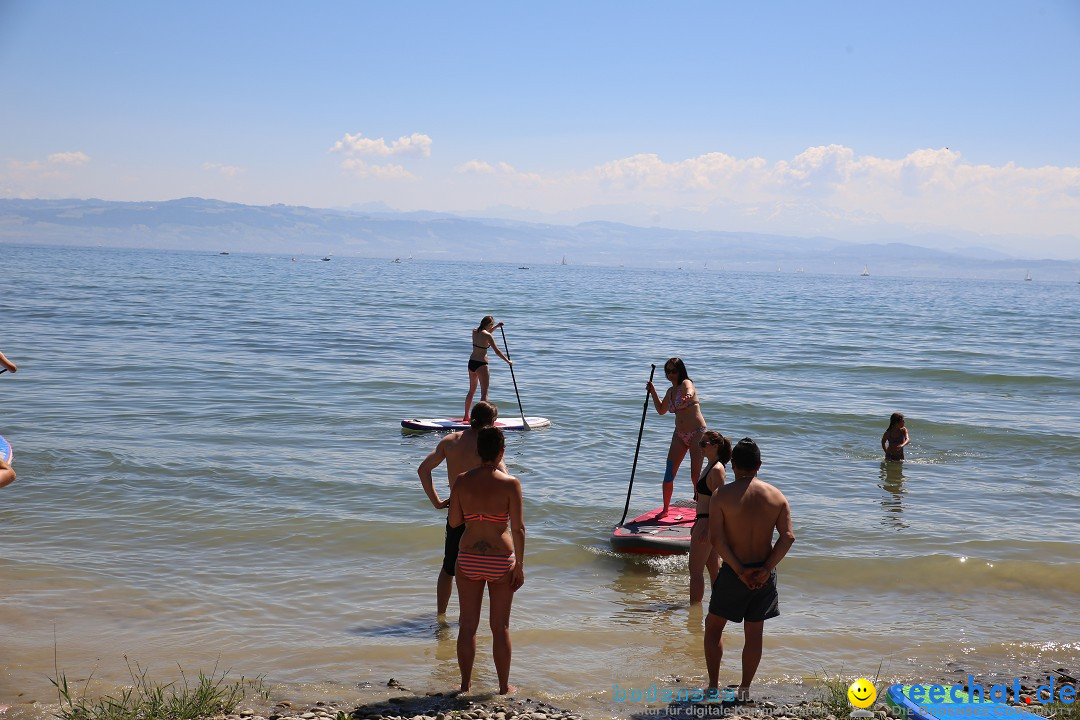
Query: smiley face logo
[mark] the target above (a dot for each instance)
(862, 693)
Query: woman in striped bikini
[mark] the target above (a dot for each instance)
(488, 501)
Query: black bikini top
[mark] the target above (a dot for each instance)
(703, 481)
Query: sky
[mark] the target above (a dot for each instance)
(857, 120)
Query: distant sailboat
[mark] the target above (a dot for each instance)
(397, 260)
(1028, 276)
(865, 271)
(563, 260)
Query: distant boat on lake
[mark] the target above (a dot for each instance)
(327, 258)
(223, 253)
(865, 271)
(1027, 277)
(563, 260)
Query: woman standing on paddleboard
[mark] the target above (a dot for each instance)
(681, 399)
(717, 450)
(482, 339)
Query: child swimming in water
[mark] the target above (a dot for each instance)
(895, 438)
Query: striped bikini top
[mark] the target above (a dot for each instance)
(481, 517)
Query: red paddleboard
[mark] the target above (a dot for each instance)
(657, 534)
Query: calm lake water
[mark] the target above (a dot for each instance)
(211, 468)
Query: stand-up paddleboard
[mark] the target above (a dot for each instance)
(919, 706)
(451, 424)
(5, 449)
(656, 534)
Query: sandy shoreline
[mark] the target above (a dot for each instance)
(394, 701)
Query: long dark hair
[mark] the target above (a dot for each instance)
(677, 365)
(723, 444)
(488, 320)
(489, 443)
(894, 419)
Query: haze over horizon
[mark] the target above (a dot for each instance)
(848, 120)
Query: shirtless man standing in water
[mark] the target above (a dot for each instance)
(742, 517)
(458, 449)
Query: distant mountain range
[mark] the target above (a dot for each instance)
(215, 226)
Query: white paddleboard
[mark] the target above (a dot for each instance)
(452, 424)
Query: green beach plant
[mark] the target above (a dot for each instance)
(833, 691)
(145, 699)
(1061, 711)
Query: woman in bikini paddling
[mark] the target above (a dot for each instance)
(681, 399)
(482, 339)
(717, 449)
(488, 501)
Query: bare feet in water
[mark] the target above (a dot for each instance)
(508, 690)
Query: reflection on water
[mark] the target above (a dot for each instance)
(891, 480)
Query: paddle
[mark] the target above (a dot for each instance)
(641, 431)
(507, 347)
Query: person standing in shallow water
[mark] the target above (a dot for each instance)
(482, 339)
(7, 473)
(459, 451)
(681, 400)
(895, 438)
(7, 364)
(742, 517)
(488, 501)
(717, 449)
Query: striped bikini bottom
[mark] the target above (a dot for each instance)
(485, 567)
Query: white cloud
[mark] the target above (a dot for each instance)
(51, 177)
(69, 158)
(828, 189)
(229, 171)
(358, 167)
(476, 166)
(415, 145)
(24, 165)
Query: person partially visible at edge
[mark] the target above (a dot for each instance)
(488, 501)
(742, 517)
(717, 449)
(7, 364)
(681, 400)
(458, 449)
(895, 438)
(482, 339)
(7, 473)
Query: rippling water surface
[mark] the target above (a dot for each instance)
(211, 467)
